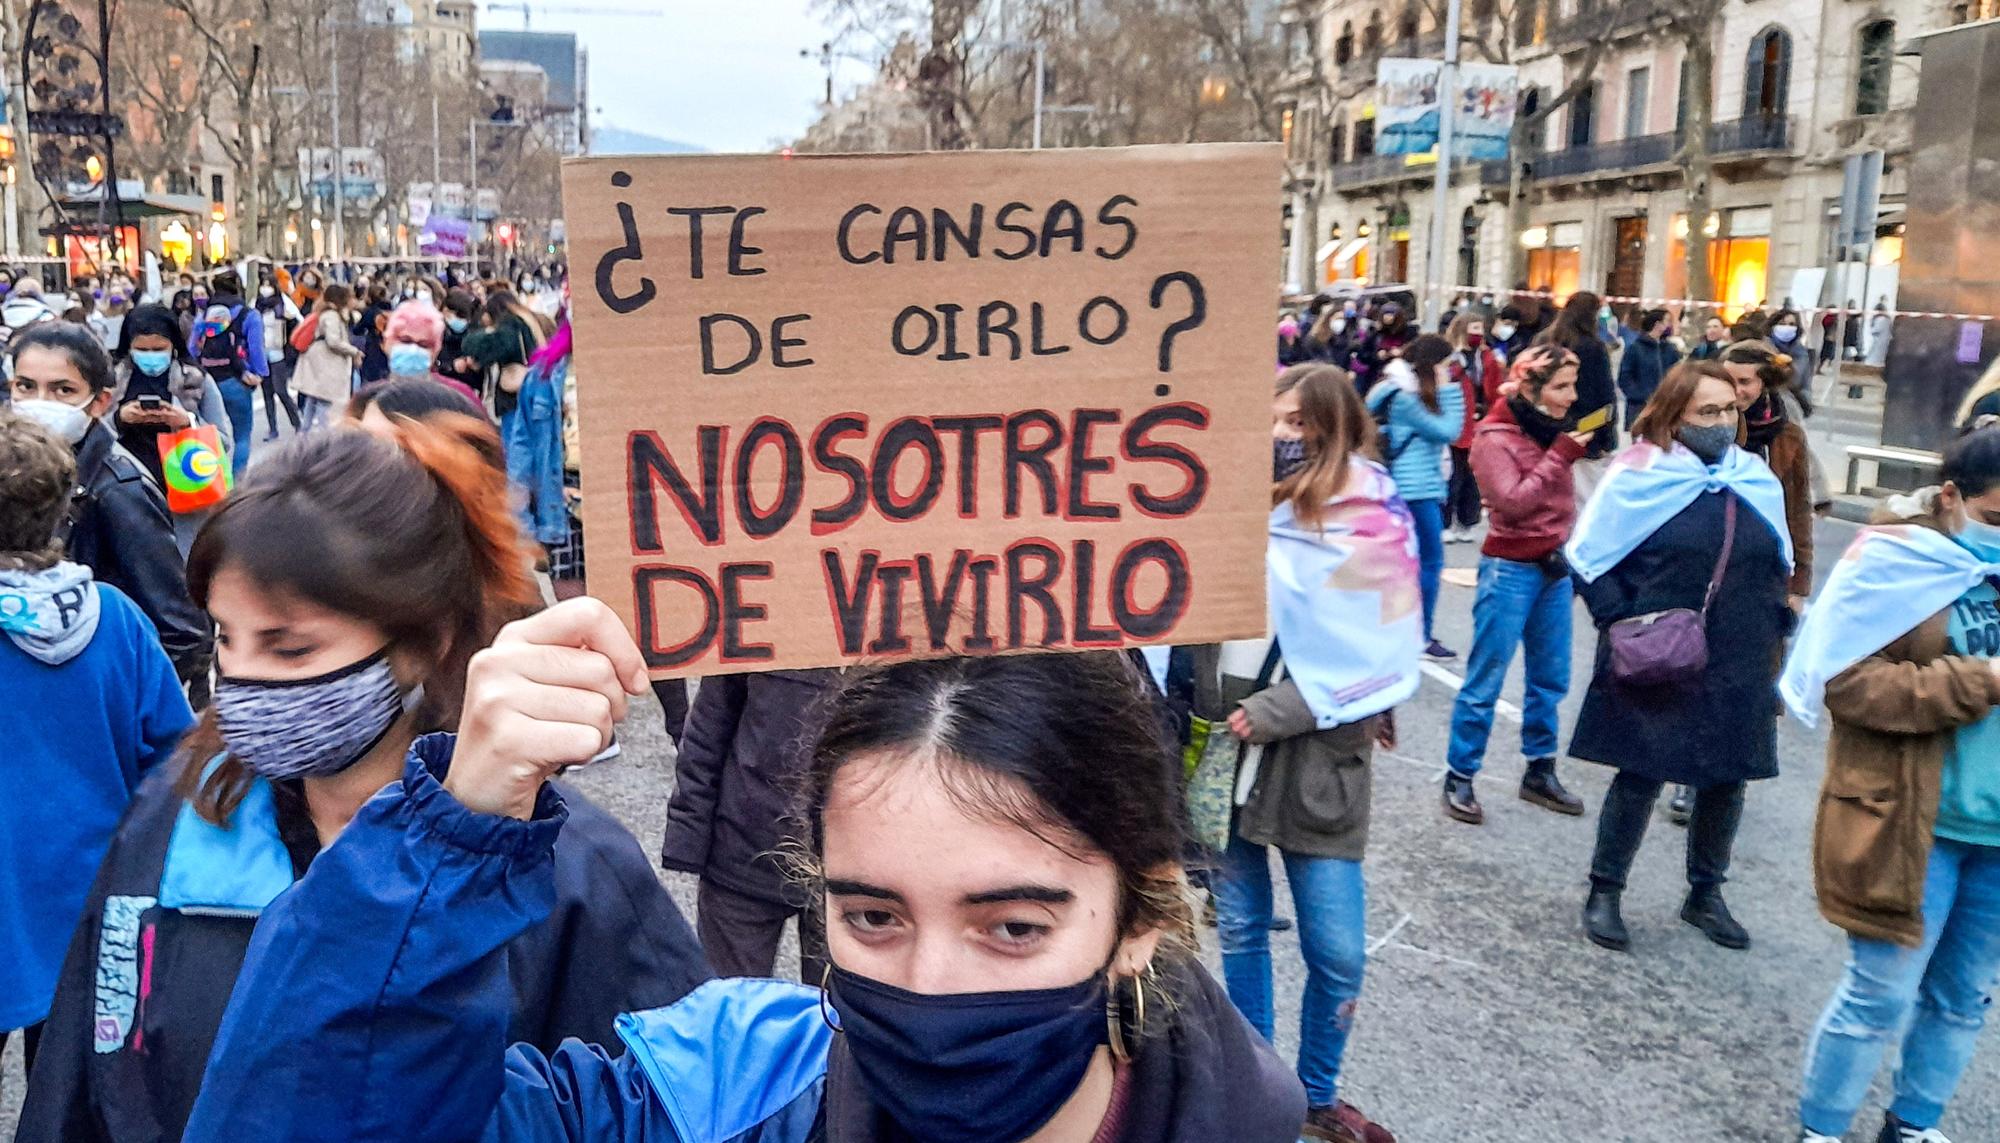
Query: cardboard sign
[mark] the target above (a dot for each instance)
(854, 408)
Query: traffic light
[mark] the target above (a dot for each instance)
(504, 232)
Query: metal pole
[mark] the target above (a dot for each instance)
(472, 193)
(339, 165)
(437, 170)
(1041, 70)
(1440, 205)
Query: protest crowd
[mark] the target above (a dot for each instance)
(299, 646)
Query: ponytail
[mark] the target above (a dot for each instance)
(457, 451)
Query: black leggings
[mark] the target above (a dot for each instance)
(1628, 806)
(278, 387)
(1461, 502)
(31, 1039)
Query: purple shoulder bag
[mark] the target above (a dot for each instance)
(1661, 648)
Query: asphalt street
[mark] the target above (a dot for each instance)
(1486, 1015)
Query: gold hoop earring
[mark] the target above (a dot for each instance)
(1122, 1041)
(826, 1014)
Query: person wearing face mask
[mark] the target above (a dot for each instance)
(81, 648)
(159, 391)
(1522, 456)
(1302, 769)
(1006, 928)
(1380, 345)
(1421, 413)
(118, 525)
(228, 344)
(25, 306)
(279, 318)
(1478, 372)
(412, 337)
(1688, 536)
(460, 315)
(1903, 651)
(1332, 338)
(1510, 333)
(1785, 332)
(352, 579)
(1647, 357)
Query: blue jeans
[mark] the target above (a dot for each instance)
(242, 410)
(1429, 517)
(314, 413)
(1333, 904)
(1517, 606)
(1931, 1000)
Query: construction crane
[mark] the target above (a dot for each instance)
(527, 9)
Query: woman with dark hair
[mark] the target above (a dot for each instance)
(1523, 455)
(1763, 378)
(1787, 331)
(1421, 412)
(1575, 329)
(1006, 929)
(367, 329)
(1382, 344)
(161, 391)
(500, 349)
(280, 317)
(352, 579)
(1478, 372)
(1303, 769)
(1686, 535)
(460, 310)
(1902, 647)
(118, 525)
(324, 378)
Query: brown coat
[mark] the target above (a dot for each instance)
(1314, 787)
(1894, 715)
(1790, 458)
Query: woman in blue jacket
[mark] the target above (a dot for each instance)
(1421, 412)
(997, 850)
(351, 579)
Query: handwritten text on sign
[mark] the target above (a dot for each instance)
(847, 408)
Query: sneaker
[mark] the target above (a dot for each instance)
(1895, 1130)
(1344, 1123)
(1439, 653)
(1682, 807)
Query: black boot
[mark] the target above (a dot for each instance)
(1541, 787)
(1460, 803)
(1602, 922)
(1706, 911)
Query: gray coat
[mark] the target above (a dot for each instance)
(1313, 789)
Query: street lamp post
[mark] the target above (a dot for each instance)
(1436, 294)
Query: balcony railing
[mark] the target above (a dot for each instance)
(1757, 134)
(1361, 69)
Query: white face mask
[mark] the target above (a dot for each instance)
(424, 296)
(1503, 332)
(1337, 325)
(65, 421)
(265, 291)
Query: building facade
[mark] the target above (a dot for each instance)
(1799, 85)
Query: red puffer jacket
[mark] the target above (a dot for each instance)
(1530, 497)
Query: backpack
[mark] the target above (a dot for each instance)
(221, 351)
(306, 333)
(1383, 446)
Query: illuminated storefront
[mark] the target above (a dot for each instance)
(1555, 257)
(1739, 258)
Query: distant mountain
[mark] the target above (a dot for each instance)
(619, 141)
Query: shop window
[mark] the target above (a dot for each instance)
(1767, 74)
(1876, 55)
(1555, 258)
(1739, 258)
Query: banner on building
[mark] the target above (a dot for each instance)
(1408, 100)
(856, 408)
(445, 237)
(362, 173)
(489, 203)
(418, 204)
(451, 199)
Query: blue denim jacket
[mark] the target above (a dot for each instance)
(534, 440)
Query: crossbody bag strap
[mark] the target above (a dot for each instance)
(1728, 543)
(1269, 668)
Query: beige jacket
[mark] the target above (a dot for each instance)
(326, 369)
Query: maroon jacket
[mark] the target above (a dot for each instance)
(1530, 498)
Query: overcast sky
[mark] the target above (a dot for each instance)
(725, 75)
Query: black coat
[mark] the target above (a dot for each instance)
(1721, 727)
(120, 529)
(748, 740)
(614, 943)
(1595, 390)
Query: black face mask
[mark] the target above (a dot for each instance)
(991, 1066)
(1287, 457)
